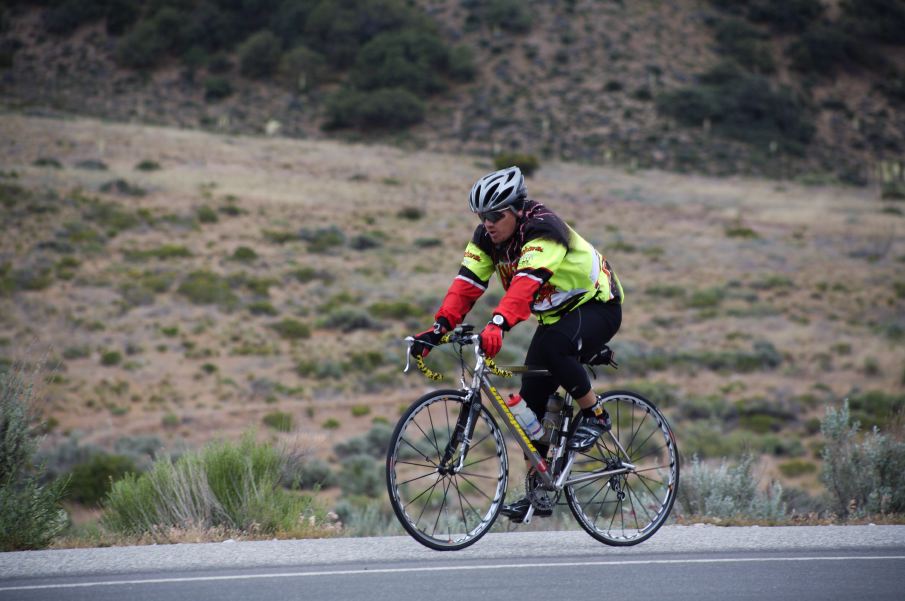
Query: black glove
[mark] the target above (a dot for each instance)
(428, 339)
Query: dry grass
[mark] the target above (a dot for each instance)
(841, 254)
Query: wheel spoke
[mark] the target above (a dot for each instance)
(417, 478)
(640, 437)
(454, 509)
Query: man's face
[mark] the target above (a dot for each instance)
(499, 224)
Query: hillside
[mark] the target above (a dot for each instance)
(185, 285)
(810, 89)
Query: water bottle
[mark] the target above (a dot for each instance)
(553, 416)
(524, 416)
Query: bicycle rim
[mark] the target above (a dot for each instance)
(445, 511)
(628, 508)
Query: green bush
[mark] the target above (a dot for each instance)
(259, 55)
(89, 482)
(309, 474)
(47, 162)
(527, 163)
(279, 421)
(410, 213)
(509, 15)
(706, 298)
(217, 87)
(665, 291)
(338, 29)
(162, 253)
(786, 15)
(323, 239)
(207, 288)
(396, 310)
(729, 492)
(261, 307)
(67, 16)
(292, 329)
(111, 358)
(743, 107)
(412, 60)
(280, 236)
(11, 195)
(875, 407)
(877, 20)
(744, 43)
(389, 108)
(244, 254)
(362, 475)
(123, 188)
(147, 165)
(374, 443)
(309, 274)
(461, 63)
(109, 215)
(143, 48)
(350, 319)
(30, 514)
(863, 474)
(120, 15)
(205, 214)
(236, 486)
(302, 68)
(826, 49)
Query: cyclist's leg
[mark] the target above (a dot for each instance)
(582, 331)
(535, 390)
(558, 348)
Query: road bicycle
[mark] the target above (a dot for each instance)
(447, 466)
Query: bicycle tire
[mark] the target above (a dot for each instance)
(467, 501)
(649, 490)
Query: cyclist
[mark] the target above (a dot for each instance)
(549, 270)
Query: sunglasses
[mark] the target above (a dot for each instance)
(492, 216)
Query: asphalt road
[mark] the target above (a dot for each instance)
(800, 564)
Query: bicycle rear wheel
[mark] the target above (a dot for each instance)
(446, 506)
(627, 508)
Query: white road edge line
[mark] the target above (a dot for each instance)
(441, 569)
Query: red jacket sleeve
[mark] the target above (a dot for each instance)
(515, 306)
(459, 300)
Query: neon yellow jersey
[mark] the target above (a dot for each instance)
(568, 277)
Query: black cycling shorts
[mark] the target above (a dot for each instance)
(559, 348)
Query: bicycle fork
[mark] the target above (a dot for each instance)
(461, 438)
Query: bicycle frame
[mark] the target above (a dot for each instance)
(620, 490)
(554, 480)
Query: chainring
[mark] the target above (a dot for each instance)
(540, 497)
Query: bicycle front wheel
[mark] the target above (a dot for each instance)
(627, 508)
(446, 505)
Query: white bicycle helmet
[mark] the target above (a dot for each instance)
(497, 190)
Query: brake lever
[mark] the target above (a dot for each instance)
(408, 353)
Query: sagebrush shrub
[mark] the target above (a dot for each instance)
(374, 443)
(728, 492)
(863, 474)
(30, 513)
(362, 475)
(236, 486)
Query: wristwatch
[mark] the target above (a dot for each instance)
(498, 320)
